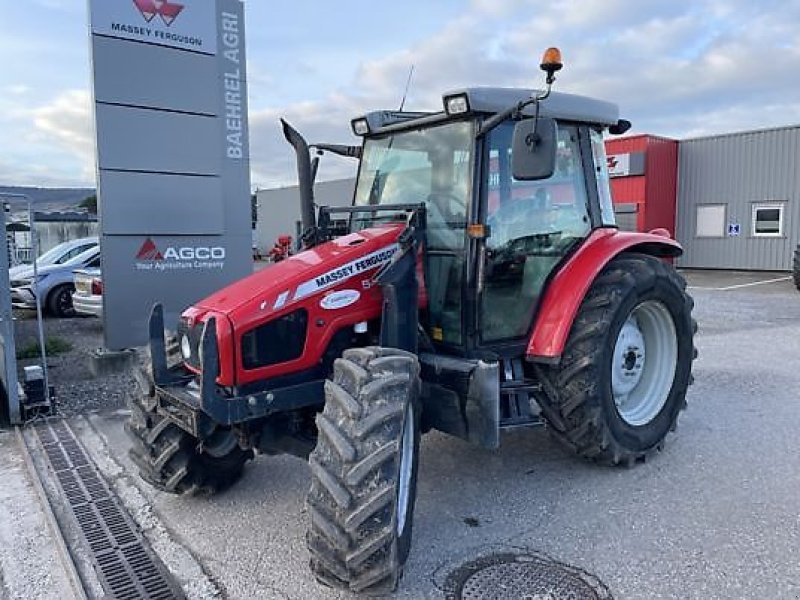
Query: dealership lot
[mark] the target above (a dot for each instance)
(715, 515)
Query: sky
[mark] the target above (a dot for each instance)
(676, 69)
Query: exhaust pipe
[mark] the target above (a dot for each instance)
(305, 175)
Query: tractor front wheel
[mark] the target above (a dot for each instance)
(624, 373)
(364, 471)
(174, 461)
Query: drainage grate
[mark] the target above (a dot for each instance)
(510, 576)
(124, 562)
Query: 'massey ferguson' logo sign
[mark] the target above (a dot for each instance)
(151, 258)
(168, 11)
(619, 165)
(185, 24)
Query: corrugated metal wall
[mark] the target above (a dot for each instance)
(661, 184)
(653, 192)
(738, 170)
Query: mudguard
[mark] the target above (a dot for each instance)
(568, 287)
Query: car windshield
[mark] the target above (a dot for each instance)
(64, 253)
(431, 165)
(52, 256)
(82, 258)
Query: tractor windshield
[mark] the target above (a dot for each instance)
(433, 166)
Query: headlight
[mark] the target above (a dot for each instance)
(186, 347)
(456, 105)
(360, 126)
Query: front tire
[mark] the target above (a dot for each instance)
(364, 471)
(626, 367)
(172, 460)
(796, 265)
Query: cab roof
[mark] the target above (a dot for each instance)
(491, 100)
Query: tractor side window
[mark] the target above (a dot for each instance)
(603, 184)
(533, 225)
(431, 166)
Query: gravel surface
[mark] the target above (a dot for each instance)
(29, 565)
(77, 391)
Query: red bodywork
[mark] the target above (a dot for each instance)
(334, 283)
(569, 286)
(293, 283)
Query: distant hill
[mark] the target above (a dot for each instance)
(47, 199)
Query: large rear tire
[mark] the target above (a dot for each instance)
(172, 460)
(626, 367)
(796, 265)
(364, 471)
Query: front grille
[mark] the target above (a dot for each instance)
(277, 341)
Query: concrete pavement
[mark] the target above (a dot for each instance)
(716, 515)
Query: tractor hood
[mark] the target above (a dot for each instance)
(278, 286)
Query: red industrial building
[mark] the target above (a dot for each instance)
(644, 176)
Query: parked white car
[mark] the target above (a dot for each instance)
(87, 299)
(54, 285)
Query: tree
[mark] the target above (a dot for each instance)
(89, 203)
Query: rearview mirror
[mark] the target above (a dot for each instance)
(533, 152)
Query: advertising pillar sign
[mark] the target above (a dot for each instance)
(170, 102)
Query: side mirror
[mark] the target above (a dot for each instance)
(533, 151)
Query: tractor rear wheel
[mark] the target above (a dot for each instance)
(796, 271)
(624, 373)
(174, 461)
(364, 471)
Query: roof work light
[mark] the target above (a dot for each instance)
(360, 126)
(457, 104)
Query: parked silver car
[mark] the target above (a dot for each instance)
(57, 255)
(87, 299)
(54, 285)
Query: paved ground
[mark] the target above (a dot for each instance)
(716, 515)
(29, 564)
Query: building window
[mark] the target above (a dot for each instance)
(768, 220)
(710, 220)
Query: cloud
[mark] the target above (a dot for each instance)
(66, 122)
(675, 68)
(17, 89)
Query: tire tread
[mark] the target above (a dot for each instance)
(352, 543)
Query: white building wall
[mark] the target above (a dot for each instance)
(278, 209)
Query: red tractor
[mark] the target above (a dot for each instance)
(482, 286)
(282, 249)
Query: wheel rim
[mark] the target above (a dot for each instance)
(64, 302)
(644, 362)
(220, 443)
(406, 466)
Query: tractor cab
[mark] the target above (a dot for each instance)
(506, 201)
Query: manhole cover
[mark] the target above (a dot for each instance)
(509, 576)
